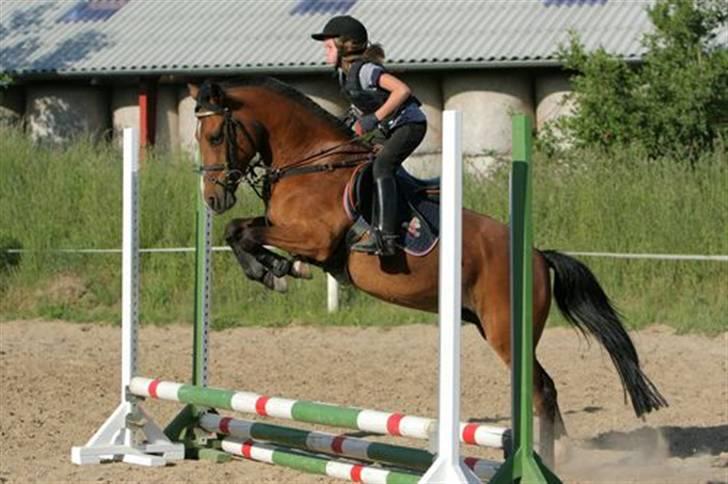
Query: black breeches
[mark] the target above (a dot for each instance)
(400, 144)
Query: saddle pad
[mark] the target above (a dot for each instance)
(418, 211)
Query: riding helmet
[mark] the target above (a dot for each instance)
(343, 26)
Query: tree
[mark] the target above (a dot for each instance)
(676, 102)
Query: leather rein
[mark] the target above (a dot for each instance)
(257, 174)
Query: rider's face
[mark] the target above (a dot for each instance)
(331, 53)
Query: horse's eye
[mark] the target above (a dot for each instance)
(216, 139)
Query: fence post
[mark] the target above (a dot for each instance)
(523, 463)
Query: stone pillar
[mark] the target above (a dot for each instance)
(425, 161)
(167, 129)
(124, 110)
(58, 113)
(12, 105)
(187, 123)
(552, 101)
(487, 100)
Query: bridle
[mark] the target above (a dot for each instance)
(257, 174)
(232, 175)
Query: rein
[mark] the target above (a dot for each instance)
(260, 183)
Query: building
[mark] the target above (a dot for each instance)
(101, 65)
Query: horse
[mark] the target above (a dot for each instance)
(299, 159)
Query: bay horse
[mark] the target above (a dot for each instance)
(307, 156)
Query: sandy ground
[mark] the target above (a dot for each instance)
(60, 381)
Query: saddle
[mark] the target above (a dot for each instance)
(418, 209)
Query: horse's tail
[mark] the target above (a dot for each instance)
(584, 304)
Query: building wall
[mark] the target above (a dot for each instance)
(487, 99)
(12, 105)
(124, 110)
(167, 123)
(56, 113)
(187, 123)
(552, 101)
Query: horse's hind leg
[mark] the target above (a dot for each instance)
(495, 318)
(551, 425)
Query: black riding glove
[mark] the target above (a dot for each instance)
(368, 123)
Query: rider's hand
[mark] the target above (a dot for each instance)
(365, 124)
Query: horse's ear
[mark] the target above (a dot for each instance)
(194, 89)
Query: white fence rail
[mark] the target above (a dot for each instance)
(332, 299)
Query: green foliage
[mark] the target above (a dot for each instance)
(70, 197)
(675, 103)
(5, 80)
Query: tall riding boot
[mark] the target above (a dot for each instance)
(387, 204)
(383, 236)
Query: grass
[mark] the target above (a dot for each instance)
(70, 197)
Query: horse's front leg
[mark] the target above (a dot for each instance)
(306, 242)
(258, 263)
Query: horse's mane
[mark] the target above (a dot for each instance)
(291, 93)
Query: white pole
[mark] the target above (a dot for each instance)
(129, 434)
(333, 293)
(447, 467)
(129, 259)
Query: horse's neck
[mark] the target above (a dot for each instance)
(295, 134)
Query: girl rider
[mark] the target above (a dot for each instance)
(381, 101)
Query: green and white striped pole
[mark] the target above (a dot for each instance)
(316, 464)
(374, 421)
(336, 445)
(523, 465)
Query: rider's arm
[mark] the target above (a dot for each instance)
(399, 92)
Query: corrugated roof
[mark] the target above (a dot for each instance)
(206, 37)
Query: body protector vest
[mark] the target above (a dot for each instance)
(366, 100)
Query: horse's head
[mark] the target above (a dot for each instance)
(227, 144)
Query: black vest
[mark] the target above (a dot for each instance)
(367, 101)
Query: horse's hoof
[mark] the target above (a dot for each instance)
(277, 284)
(301, 270)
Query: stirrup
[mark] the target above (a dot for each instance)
(368, 246)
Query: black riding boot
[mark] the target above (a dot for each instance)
(382, 240)
(387, 199)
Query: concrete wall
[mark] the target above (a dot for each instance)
(323, 90)
(125, 114)
(57, 113)
(551, 98)
(12, 104)
(487, 101)
(187, 123)
(486, 98)
(167, 127)
(124, 110)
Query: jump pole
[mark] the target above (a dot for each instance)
(129, 434)
(338, 445)
(523, 464)
(320, 413)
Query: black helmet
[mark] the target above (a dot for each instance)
(345, 26)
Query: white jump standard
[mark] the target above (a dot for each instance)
(129, 435)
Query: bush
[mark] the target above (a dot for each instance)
(674, 104)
